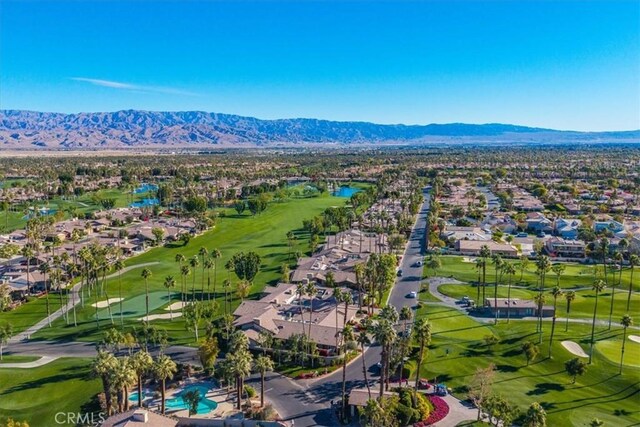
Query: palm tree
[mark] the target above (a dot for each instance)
(625, 322)
(569, 297)
(498, 264)
(208, 264)
(103, 367)
(617, 257)
(385, 334)
(146, 274)
(44, 269)
(204, 254)
(598, 287)
(485, 253)
(634, 261)
(27, 253)
(603, 245)
(543, 265)
(240, 365)
(558, 270)
(5, 334)
(422, 334)
(215, 256)
(142, 363)
(337, 296)
(540, 299)
(556, 292)
(263, 364)
(363, 340)
(347, 337)
(311, 290)
(509, 270)
(164, 368)
(194, 262)
(184, 272)
(122, 377)
(479, 266)
(406, 315)
(169, 283)
(118, 266)
(226, 285)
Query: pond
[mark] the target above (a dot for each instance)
(345, 191)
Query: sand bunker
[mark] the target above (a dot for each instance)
(634, 338)
(159, 316)
(106, 303)
(176, 306)
(467, 259)
(574, 348)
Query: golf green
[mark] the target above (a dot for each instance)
(136, 306)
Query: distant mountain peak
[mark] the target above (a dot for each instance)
(138, 128)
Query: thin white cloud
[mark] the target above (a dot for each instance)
(132, 87)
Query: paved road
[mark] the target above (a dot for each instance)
(307, 402)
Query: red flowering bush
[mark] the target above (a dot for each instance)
(440, 410)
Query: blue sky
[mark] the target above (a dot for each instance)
(565, 65)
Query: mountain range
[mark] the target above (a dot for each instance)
(21, 129)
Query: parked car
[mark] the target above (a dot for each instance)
(400, 272)
(419, 264)
(412, 294)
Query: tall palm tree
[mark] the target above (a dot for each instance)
(485, 253)
(543, 265)
(240, 365)
(540, 299)
(263, 364)
(118, 266)
(598, 286)
(311, 290)
(422, 334)
(479, 265)
(208, 265)
(509, 270)
(122, 377)
(337, 297)
(603, 246)
(634, 261)
(163, 369)
(184, 272)
(556, 292)
(569, 297)
(142, 363)
(194, 262)
(385, 334)
(169, 283)
(103, 367)
(146, 274)
(618, 258)
(204, 255)
(363, 340)
(347, 337)
(27, 253)
(498, 264)
(215, 256)
(625, 322)
(44, 269)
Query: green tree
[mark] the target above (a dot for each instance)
(556, 292)
(535, 416)
(208, 353)
(530, 351)
(169, 283)
(6, 331)
(422, 335)
(246, 265)
(634, 261)
(575, 367)
(192, 399)
(263, 364)
(569, 297)
(142, 363)
(164, 369)
(103, 367)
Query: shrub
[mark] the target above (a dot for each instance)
(251, 392)
(440, 410)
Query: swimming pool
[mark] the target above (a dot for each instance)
(204, 406)
(133, 397)
(145, 203)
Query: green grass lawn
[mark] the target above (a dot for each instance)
(575, 275)
(30, 313)
(264, 234)
(458, 349)
(36, 395)
(7, 358)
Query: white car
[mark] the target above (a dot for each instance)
(412, 294)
